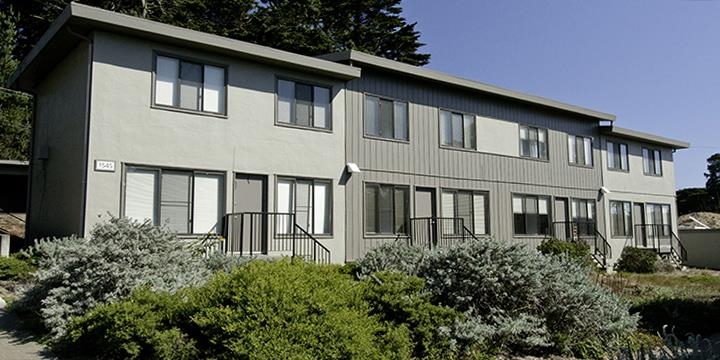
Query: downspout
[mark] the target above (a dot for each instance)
(86, 128)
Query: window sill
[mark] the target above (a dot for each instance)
(300, 127)
(384, 236)
(380, 138)
(581, 166)
(188, 111)
(653, 175)
(525, 157)
(619, 170)
(447, 147)
(531, 236)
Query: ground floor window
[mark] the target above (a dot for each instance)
(658, 215)
(471, 206)
(387, 209)
(531, 215)
(185, 201)
(583, 215)
(621, 218)
(310, 200)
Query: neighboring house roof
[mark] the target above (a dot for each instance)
(699, 220)
(78, 20)
(645, 137)
(354, 56)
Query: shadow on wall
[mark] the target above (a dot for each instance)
(702, 247)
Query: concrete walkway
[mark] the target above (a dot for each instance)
(16, 344)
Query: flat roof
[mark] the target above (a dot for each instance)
(353, 56)
(645, 137)
(78, 20)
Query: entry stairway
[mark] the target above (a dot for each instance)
(659, 238)
(585, 232)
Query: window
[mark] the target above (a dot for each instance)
(652, 162)
(621, 218)
(310, 200)
(471, 206)
(531, 214)
(189, 85)
(533, 142)
(658, 215)
(617, 156)
(583, 215)
(387, 209)
(303, 105)
(580, 150)
(457, 130)
(386, 118)
(187, 202)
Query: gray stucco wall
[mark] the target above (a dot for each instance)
(422, 162)
(57, 189)
(703, 247)
(127, 130)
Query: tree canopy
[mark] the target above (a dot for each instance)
(702, 199)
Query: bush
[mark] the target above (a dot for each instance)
(76, 274)
(524, 302)
(578, 251)
(392, 256)
(14, 268)
(270, 310)
(637, 260)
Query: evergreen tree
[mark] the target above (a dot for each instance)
(713, 179)
(15, 107)
(691, 200)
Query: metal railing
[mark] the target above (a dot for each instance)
(660, 238)
(265, 233)
(432, 232)
(586, 232)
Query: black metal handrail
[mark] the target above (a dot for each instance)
(432, 232)
(584, 231)
(678, 248)
(659, 237)
(262, 233)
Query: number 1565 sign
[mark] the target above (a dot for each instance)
(104, 165)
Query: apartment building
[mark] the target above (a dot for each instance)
(321, 157)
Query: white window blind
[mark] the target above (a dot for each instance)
(588, 151)
(517, 205)
(372, 110)
(572, 153)
(286, 96)
(284, 206)
(320, 208)
(445, 128)
(448, 205)
(479, 214)
(166, 77)
(321, 107)
(175, 201)
(206, 201)
(401, 120)
(214, 89)
(140, 194)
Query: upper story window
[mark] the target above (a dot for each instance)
(617, 156)
(386, 118)
(533, 142)
(185, 201)
(303, 104)
(531, 214)
(189, 85)
(652, 162)
(457, 130)
(580, 150)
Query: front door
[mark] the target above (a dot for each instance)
(249, 230)
(424, 227)
(561, 226)
(639, 219)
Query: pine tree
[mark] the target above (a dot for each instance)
(713, 179)
(15, 107)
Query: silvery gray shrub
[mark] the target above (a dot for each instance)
(514, 297)
(75, 274)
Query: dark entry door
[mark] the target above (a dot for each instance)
(640, 232)
(424, 226)
(249, 231)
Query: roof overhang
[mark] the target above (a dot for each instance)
(354, 56)
(644, 137)
(79, 20)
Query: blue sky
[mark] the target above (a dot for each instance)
(655, 64)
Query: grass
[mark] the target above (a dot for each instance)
(691, 284)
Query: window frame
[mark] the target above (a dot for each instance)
(329, 200)
(222, 206)
(613, 229)
(407, 204)
(549, 213)
(617, 146)
(592, 155)
(394, 100)
(486, 205)
(653, 170)
(546, 158)
(189, 59)
(462, 114)
(313, 84)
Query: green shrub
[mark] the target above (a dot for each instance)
(270, 310)
(636, 260)
(14, 268)
(578, 251)
(76, 274)
(392, 256)
(520, 301)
